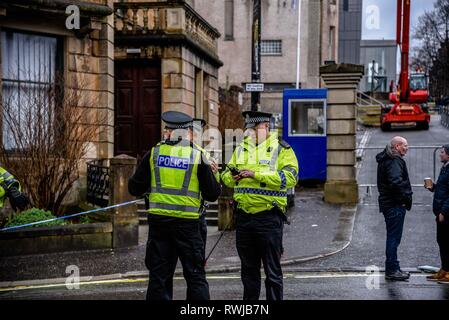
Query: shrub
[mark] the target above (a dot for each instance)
(34, 215)
(48, 136)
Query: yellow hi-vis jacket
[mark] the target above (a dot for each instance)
(175, 188)
(7, 179)
(276, 169)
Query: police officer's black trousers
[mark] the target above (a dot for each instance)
(203, 231)
(259, 239)
(166, 242)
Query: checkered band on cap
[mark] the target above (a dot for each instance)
(179, 126)
(257, 119)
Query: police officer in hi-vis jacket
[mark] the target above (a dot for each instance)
(10, 188)
(260, 171)
(178, 181)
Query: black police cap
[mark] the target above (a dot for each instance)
(177, 120)
(253, 118)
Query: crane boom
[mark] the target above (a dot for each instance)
(405, 46)
(412, 94)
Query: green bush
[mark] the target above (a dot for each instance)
(34, 215)
(86, 219)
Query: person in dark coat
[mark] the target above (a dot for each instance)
(441, 212)
(395, 197)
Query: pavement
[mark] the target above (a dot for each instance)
(298, 285)
(316, 230)
(326, 246)
(418, 246)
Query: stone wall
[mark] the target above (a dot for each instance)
(279, 22)
(87, 56)
(179, 66)
(92, 236)
(90, 63)
(189, 79)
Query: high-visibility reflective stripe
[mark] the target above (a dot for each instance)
(261, 192)
(187, 177)
(274, 159)
(188, 174)
(157, 172)
(176, 192)
(173, 207)
(239, 151)
(291, 170)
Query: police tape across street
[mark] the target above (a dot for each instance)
(100, 210)
(70, 216)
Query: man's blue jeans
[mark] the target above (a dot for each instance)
(394, 220)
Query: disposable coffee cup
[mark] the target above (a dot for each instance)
(428, 183)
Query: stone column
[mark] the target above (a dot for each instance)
(125, 220)
(341, 80)
(225, 214)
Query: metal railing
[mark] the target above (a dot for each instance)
(98, 190)
(422, 162)
(444, 110)
(365, 100)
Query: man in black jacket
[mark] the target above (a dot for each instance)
(441, 211)
(395, 197)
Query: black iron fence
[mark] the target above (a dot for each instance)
(98, 182)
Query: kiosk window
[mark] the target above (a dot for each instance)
(307, 117)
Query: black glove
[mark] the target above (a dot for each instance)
(408, 202)
(17, 199)
(4, 186)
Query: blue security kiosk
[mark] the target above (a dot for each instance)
(304, 128)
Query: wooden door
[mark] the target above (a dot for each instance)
(137, 106)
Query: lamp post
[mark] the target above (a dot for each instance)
(255, 56)
(298, 44)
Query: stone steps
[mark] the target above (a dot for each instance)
(369, 115)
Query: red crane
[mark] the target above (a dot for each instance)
(412, 93)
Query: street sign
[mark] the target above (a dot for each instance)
(254, 87)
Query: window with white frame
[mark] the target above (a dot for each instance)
(271, 47)
(307, 117)
(29, 66)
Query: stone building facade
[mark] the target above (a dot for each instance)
(133, 59)
(36, 30)
(318, 43)
(166, 59)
